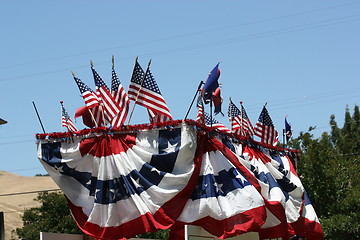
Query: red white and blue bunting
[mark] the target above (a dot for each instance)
(128, 181)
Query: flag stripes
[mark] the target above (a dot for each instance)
(121, 98)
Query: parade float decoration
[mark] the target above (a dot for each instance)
(122, 180)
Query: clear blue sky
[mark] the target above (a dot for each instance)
(301, 57)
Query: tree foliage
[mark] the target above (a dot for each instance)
(330, 171)
(52, 216)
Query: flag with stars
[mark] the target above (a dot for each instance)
(90, 98)
(211, 84)
(121, 98)
(123, 185)
(240, 122)
(284, 195)
(225, 201)
(145, 91)
(107, 101)
(91, 101)
(66, 120)
(265, 128)
(287, 130)
(212, 122)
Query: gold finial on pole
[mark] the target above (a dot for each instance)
(73, 74)
(91, 63)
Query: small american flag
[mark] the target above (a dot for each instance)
(121, 98)
(265, 129)
(66, 121)
(211, 122)
(239, 120)
(154, 117)
(108, 103)
(287, 130)
(91, 101)
(146, 92)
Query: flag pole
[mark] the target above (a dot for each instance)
(192, 102)
(91, 114)
(211, 119)
(42, 126)
(241, 127)
(62, 106)
(138, 93)
(284, 138)
(100, 106)
(230, 113)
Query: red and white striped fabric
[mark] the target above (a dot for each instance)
(121, 98)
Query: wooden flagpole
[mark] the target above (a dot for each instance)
(142, 82)
(98, 96)
(197, 91)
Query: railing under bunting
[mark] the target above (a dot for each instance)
(138, 127)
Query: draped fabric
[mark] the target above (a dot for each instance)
(120, 184)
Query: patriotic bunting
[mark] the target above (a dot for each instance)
(123, 184)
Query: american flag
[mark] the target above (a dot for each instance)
(154, 117)
(121, 98)
(91, 101)
(265, 128)
(211, 122)
(211, 84)
(146, 92)
(239, 120)
(108, 103)
(200, 114)
(287, 130)
(66, 121)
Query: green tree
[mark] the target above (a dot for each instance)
(52, 216)
(330, 171)
(161, 234)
